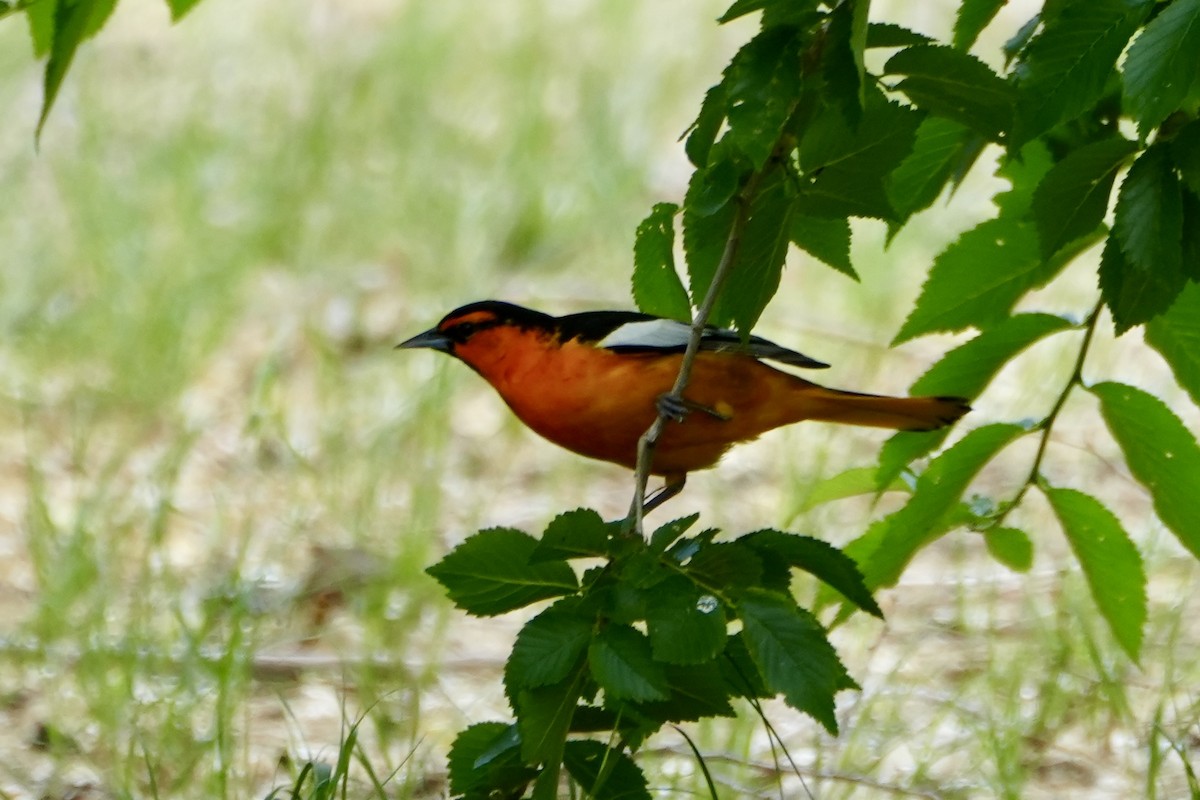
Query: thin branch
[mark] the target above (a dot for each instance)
(1047, 424)
(649, 440)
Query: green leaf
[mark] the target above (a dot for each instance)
(1161, 453)
(41, 25)
(739, 670)
(965, 371)
(487, 757)
(725, 565)
(1110, 561)
(978, 279)
(490, 573)
(1065, 69)
(846, 166)
(842, 57)
(548, 647)
(1176, 336)
(656, 285)
(793, 654)
(705, 233)
(759, 263)
(1144, 277)
(662, 538)
(973, 16)
(956, 85)
(887, 34)
(180, 7)
(686, 623)
(1161, 67)
(604, 774)
(852, 482)
(827, 239)
(697, 691)
(703, 132)
(1185, 152)
(1072, 198)
(544, 718)
(819, 559)
(920, 178)
(763, 85)
(1011, 547)
(70, 24)
(581, 533)
(619, 657)
(883, 553)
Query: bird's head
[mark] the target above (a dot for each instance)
(481, 332)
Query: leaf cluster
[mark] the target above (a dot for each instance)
(663, 630)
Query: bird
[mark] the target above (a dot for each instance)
(594, 382)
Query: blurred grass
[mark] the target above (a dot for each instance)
(219, 486)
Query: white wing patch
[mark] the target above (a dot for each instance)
(664, 333)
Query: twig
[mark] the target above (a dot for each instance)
(649, 440)
(1047, 424)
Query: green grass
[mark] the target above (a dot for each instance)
(220, 486)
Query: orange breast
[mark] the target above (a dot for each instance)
(598, 403)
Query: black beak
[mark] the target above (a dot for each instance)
(432, 338)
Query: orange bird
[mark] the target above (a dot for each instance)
(594, 382)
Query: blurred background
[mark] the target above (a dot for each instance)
(220, 486)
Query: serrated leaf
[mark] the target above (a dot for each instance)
(759, 264)
(1072, 198)
(697, 691)
(1065, 69)
(1176, 336)
(853, 482)
(490, 573)
(887, 34)
(1161, 68)
(793, 654)
(657, 288)
(1110, 561)
(827, 239)
(1017, 43)
(920, 178)
(842, 57)
(978, 279)
(818, 558)
(954, 84)
(686, 623)
(972, 17)
(763, 85)
(846, 167)
(1161, 453)
(604, 774)
(964, 371)
(620, 661)
(725, 565)
(703, 132)
(666, 534)
(548, 647)
(544, 718)
(1012, 547)
(883, 553)
(739, 670)
(1144, 277)
(704, 237)
(581, 533)
(487, 756)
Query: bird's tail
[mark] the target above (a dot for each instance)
(877, 411)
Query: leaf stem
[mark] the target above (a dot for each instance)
(1047, 424)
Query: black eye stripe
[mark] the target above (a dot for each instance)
(462, 331)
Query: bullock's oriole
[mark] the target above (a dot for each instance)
(594, 382)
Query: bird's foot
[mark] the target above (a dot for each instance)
(675, 407)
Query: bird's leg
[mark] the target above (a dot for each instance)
(672, 487)
(677, 408)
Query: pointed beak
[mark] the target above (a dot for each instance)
(432, 338)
